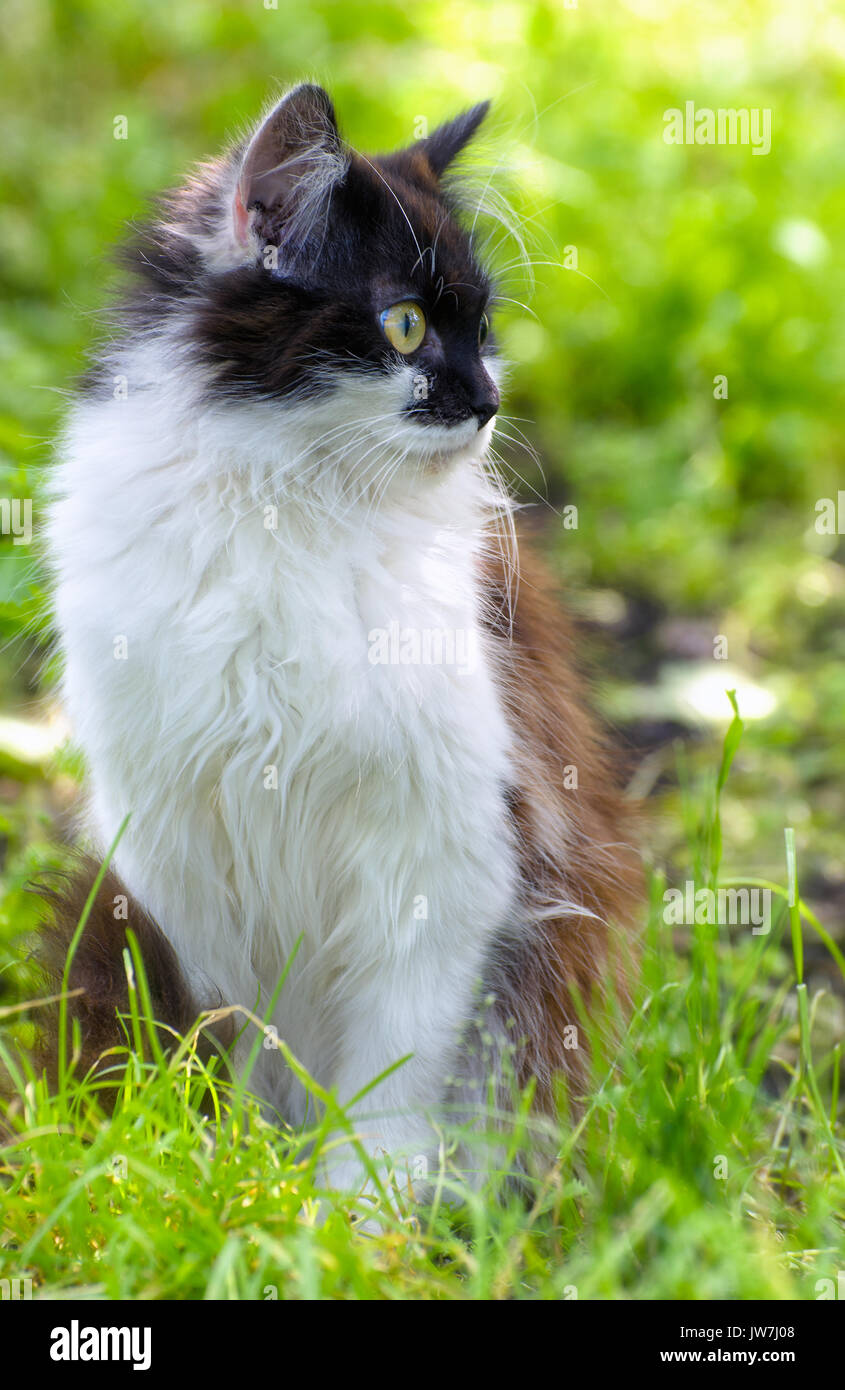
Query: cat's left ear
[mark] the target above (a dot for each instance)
(292, 159)
(446, 142)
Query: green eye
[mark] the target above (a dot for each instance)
(403, 325)
(483, 330)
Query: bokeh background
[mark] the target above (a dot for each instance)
(696, 513)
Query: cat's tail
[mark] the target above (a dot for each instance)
(97, 986)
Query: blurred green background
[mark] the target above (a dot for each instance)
(696, 513)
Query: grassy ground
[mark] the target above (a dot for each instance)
(700, 1163)
(696, 566)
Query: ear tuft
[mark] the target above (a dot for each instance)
(447, 141)
(296, 149)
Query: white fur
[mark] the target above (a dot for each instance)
(247, 649)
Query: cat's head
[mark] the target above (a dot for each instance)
(308, 273)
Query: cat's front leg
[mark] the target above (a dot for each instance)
(413, 1007)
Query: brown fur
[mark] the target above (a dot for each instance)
(98, 971)
(272, 336)
(574, 846)
(574, 843)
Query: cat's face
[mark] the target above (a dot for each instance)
(314, 274)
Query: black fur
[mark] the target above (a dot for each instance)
(385, 231)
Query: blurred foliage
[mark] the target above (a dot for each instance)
(695, 522)
(695, 513)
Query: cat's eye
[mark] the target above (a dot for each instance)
(483, 330)
(403, 325)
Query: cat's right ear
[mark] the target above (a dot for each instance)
(291, 162)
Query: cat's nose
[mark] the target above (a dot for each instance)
(486, 406)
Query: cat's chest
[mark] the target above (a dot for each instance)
(351, 730)
(309, 738)
(362, 657)
(254, 656)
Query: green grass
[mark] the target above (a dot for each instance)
(695, 519)
(692, 262)
(702, 1162)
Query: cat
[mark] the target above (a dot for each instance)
(341, 715)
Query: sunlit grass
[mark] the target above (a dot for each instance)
(695, 509)
(704, 1159)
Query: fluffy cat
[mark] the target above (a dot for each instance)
(295, 656)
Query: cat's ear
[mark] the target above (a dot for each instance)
(292, 159)
(447, 141)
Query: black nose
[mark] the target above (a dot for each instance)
(486, 408)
